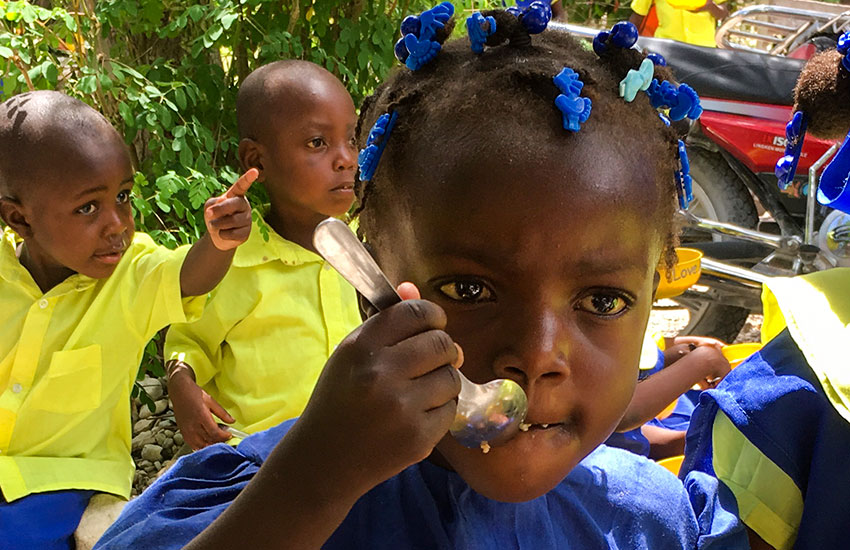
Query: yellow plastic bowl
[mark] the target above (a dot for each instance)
(737, 353)
(685, 273)
(674, 463)
(668, 410)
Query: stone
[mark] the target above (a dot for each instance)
(102, 511)
(152, 453)
(169, 433)
(161, 406)
(153, 387)
(144, 412)
(144, 438)
(142, 425)
(178, 439)
(160, 438)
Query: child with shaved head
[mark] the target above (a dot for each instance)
(80, 295)
(255, 354)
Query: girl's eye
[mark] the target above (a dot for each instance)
(604, 304)
(123, 197)
(467, 291)
(315, 143)
(87, 209)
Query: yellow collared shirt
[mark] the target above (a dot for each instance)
(267, 331)
(68, 359)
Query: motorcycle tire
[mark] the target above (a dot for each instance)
(720, 195)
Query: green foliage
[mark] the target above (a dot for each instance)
(166, 75)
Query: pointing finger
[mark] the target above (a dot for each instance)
(242, 185)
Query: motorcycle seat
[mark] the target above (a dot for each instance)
(730, 74)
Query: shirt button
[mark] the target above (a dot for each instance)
(42, 303)
(16, 388)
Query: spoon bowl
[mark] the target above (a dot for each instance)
(487, 414)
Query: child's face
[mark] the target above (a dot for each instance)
(81, 219)
(546, 279)
(309, 165)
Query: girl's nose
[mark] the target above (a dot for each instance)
(538, 352)
(114, 223)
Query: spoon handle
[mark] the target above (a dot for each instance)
(337, 244)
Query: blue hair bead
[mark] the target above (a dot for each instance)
(575, 110)
(684, 183)
(657, 59)
(400, 50)
(410, 25)
(534, 15)
(795, 134)
(479, 28)
(379, 135)
(624, 34)
(600, 42)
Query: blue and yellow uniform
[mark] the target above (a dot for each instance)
(777, 429)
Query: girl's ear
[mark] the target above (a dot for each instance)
(251, 156)
(13, 215)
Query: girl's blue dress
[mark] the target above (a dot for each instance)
(612, 499)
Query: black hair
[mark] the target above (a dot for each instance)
(510, 88)
(41, 130)
(822, 92)
(266, 87)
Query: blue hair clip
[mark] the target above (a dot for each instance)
(574, 109)
(479, 28)
(795, 133)
(834, 190)
(370, 156)
(637, 80)
(682, 101)
(684, 183)
(622, 35)
(657, 59)
(534, 15)
(844, 49)
(416, 48)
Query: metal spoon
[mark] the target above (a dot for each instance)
(487, 414)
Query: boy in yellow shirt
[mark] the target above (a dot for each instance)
(255, 354)
(691, 21)
(80, 296)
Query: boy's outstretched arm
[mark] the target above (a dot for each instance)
(383, 401)
(228, 220)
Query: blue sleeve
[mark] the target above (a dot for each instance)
(183, 502)
(716, 513)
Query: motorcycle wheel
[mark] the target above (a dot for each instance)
(719, 195)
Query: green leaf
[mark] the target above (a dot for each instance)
(87, 84)
(178, 132)
(5, 52)
(51, 73)
(227, 20)
(180, 98)
(186, 158)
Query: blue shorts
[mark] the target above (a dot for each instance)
(45, 521)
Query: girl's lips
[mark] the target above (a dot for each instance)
(109, 257)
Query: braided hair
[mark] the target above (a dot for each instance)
(466, 102)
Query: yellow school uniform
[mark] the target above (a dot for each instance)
(68, 359)
(267, 331)
(677, 22)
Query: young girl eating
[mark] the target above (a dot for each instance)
(529, 233)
